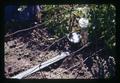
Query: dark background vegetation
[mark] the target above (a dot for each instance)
(102, 17)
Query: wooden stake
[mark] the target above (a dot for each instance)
(40, 66)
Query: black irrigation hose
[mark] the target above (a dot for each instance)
(86, 59)
(24, 30)
(81, 48)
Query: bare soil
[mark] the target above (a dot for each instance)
(26, 50)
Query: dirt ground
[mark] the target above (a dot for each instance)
(24, 52)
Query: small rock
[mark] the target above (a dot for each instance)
(10, 43)
(26, 54)
(21, 53)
